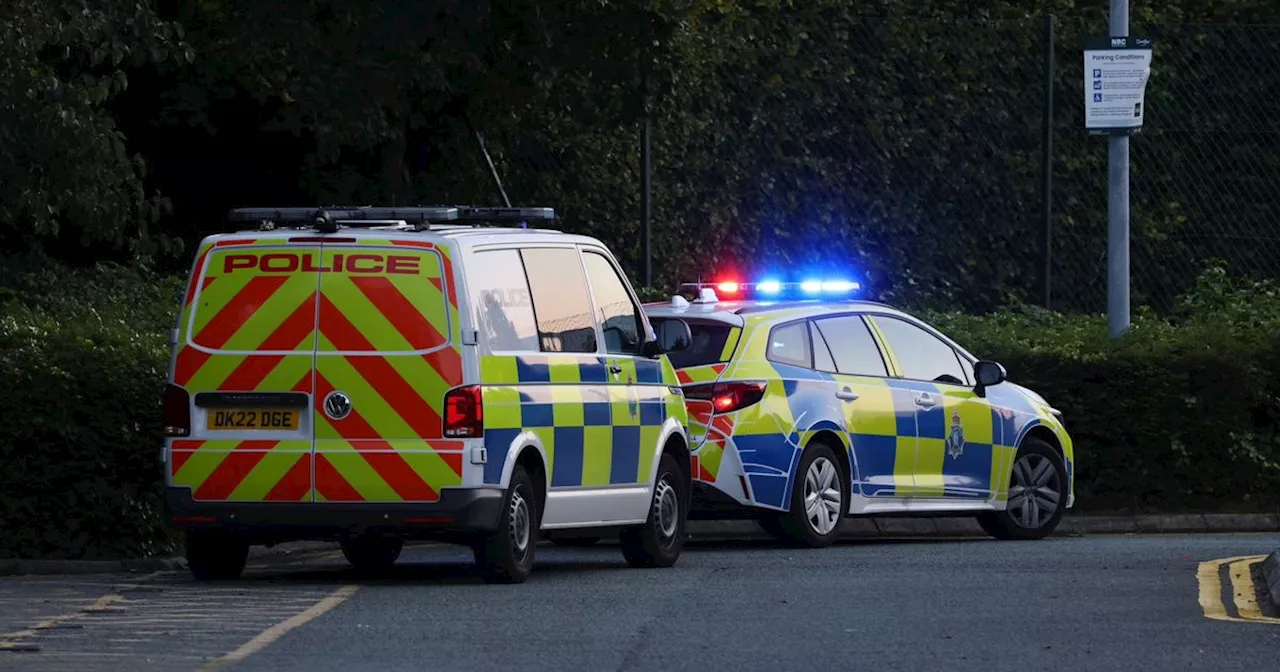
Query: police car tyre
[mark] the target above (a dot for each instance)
(1037, 495)
(819, 499)
(506, 554)
(215, 556)
(575, 542)
(660, 540)
(372, 553)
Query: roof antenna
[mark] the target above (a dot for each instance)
(493, 170)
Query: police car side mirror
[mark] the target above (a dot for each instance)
(673, 336)
(988, 373)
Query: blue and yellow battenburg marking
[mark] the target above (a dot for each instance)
(598, 419)
(962, 447)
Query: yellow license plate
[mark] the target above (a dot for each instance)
(241, 419)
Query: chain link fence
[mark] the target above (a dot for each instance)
(911, 152)
(1205, 168)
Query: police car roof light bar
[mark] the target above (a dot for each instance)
(774, 288)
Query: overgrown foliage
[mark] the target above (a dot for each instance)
(898, 137)
(1180, 414)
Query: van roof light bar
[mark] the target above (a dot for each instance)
(473, 214)
(326, 219)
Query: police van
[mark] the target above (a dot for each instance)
(373, 375)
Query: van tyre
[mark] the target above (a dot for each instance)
(819, 500)
(506, 554)
(372, 554)
(659, 541)
(216, 556)
(1037, 496)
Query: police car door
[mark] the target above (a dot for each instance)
(954, 426)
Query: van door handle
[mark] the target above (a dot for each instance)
(846, 394)
(924, 399)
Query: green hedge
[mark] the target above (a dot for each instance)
(1180, 414)
(82, 357)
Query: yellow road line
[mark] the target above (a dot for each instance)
(282, 628)
(1244, 594)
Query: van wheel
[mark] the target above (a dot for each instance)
(1037, 495)
(506, 554)
(372, 554)
(216, 556)
(660, 540)
(819, 499)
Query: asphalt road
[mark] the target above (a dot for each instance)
(1096, 603)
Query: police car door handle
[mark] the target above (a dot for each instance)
(924, 399)
(846, 394)
(615, 369)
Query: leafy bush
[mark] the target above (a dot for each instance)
(1179, 414)
(82, 355)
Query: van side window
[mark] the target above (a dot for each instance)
(501, 295)
(618, 315)
(561, 303)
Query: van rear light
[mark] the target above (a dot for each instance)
(728, 397)
(176, 412)
(463, 413)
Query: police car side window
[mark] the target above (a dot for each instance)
(789, 344)
(618, 315)
(822, 360)
(501, 295)
(561, 304)
(852, 346)
(920, 354)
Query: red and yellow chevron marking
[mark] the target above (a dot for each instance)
(270, 330)
(241, 312)
(390, 447)
(711, 452)
(700, 374)
(243, 470)
(354, 462)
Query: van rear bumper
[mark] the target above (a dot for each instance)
(458, 512)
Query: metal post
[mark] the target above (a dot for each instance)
(1118, 206)
(1046, 166)
(646, 204)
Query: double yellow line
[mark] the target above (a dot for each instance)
(1243, 592)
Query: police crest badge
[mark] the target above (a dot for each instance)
(955, 440)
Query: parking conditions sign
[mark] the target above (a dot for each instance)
(1116, 70)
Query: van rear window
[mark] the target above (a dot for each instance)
(255, 299)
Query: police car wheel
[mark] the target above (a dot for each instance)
(215, 556)
(1037, 495)
(819, 499)
(506, 555)
(660, 540)
(372, 554)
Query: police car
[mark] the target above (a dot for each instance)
(370, 375)
(807, 406)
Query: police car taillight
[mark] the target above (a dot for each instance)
(727, 397)
(176, 411)
(463, 413)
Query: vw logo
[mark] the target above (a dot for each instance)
(337, 405)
